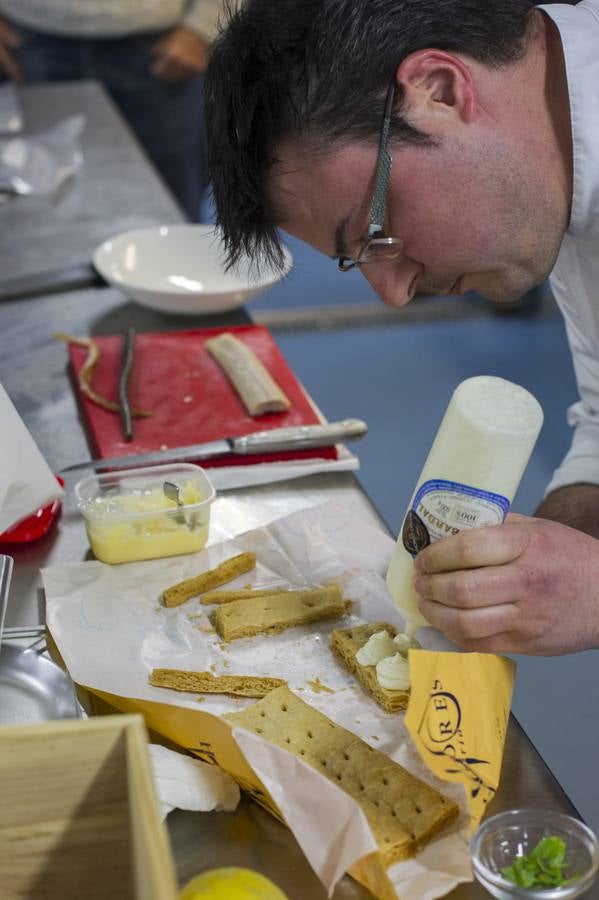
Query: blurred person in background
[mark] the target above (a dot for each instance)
(150, 55)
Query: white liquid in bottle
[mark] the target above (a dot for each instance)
(469, 478)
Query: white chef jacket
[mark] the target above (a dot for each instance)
(575, 278)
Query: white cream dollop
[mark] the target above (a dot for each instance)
(403, 643)
(393, 673)
(377, 647)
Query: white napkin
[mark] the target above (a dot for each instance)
(26, 481)
(186, 783)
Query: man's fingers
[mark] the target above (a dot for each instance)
(492, 545)
(466, 625)
(473, 588)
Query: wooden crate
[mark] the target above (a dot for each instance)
(79, 815)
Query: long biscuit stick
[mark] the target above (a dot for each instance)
(207, 683)
(212, 578)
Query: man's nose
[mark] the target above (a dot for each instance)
(395, 281)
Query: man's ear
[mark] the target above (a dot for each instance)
(438, 90)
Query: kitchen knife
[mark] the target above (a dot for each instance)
(295, 437)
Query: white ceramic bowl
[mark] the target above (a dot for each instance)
(179, 269)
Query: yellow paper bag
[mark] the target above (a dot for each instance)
(457, 716)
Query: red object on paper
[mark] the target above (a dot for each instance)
(190, 398)
(36, 526)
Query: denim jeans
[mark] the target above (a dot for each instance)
(167, 117)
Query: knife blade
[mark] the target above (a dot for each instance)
(294, 437)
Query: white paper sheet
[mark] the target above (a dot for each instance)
(26, 480)
(99, 613)
(225, 478)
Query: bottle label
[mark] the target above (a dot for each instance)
(441, 508)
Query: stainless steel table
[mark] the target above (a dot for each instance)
(45, 244)
(33, 370)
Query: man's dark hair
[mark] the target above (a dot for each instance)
(319, 70)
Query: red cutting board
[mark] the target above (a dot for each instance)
(190, 398)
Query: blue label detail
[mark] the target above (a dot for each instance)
(466, 490)
(443, 508)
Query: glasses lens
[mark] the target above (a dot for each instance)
(382, 250)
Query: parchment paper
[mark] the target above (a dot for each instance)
(111, 630)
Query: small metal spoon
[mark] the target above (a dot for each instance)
(171, 492)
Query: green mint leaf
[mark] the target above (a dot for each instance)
(550, 850)
(542, 867)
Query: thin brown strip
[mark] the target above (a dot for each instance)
(206, 581)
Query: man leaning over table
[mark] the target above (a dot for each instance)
(493, 115)
(149, 54)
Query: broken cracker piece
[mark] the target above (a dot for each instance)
(318, 687)
(207, 683)
(346, 642)
(271, 615)
(226, 571)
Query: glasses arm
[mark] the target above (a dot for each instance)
(383, 170)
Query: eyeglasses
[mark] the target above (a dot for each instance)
(378, 248)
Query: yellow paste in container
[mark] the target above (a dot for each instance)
(145, 524)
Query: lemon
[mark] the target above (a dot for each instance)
(231, 884)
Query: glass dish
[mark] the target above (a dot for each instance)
(502, 838)
(129, 517)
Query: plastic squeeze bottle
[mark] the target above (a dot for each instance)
(470, 476)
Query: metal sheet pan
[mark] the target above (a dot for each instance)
(33, 688)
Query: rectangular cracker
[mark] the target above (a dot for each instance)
(212, 578)
(241, 594)
(345, 643)
(403, 812)
(207, 683)
(271, 615)
(256, 387)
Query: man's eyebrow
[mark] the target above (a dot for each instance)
(340, 241)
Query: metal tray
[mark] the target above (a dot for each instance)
(33, 688)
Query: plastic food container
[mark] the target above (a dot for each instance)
(508, 835)
(128, 515)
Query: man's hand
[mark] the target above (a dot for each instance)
(179, 55)
(527, 586)
(9, 40)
